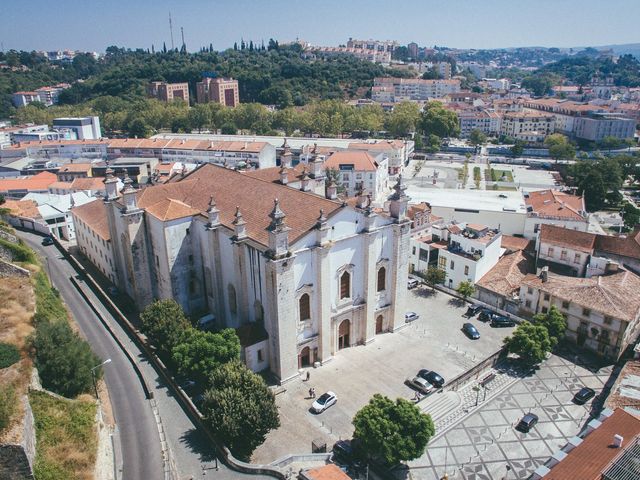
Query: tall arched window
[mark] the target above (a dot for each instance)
(231, 291)
(305, 307)
(382, 279)
(345, 285)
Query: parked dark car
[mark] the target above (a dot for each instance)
(501, 321)
(471, 331)
(345, 454)
(527, 422)
(473, 310)
(485, 315)
(46, 241)
(584, 395)
(432, 377)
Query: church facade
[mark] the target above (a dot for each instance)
(313, 274)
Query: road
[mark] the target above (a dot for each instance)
(137, 430)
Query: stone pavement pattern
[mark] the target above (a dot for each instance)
(481, 445)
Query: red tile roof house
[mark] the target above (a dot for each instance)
(607, 449)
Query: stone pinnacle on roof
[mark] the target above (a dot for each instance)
(322, 218)
(398, 189)
(128, 184)
(238, 217)
(277, 216)
(212, 204)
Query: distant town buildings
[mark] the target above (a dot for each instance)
(45, 95)
(220, 90)
(78, 128)
(166, 92)
(390, 89)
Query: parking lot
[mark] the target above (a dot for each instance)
(485, 442)
(434, 341)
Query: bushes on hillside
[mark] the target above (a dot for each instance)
(19, 251)
(9, 354)
(63, 359)
(7, 405)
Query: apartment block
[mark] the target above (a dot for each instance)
(388, 89)
(220, 90)
(167, 92)
(517, 123)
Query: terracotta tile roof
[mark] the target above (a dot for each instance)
(384, 145)
(553, 203)
(272, 174)
(516, 243)
(38, 182)
(616, 294)
(589, 459)
(94, 214)
(582, 241)
(60, 185)
(360, 159)
(22, 208)
(142, 143)
(616, 398)
(507, 275)
(56, 143)
(209, 145)
(327, 472)
(170, 209)
(165, 168)
(628, 246)
(254, 197)
(88, 183)
(75, 168)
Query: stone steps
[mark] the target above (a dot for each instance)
(439, 405)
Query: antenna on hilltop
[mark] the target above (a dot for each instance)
(182, 33)
(171, 30)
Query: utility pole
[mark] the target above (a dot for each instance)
(171, 30)
(182, 33)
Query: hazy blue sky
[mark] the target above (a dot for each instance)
(94, 25)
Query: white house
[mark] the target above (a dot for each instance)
(359, 169)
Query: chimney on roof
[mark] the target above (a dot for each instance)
(617, 441)
(322, 229)
(110, 185)
(284, 175)
(611, 267)
(129, 195)
(544, 274)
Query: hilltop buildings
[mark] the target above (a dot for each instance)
(166, 92)
(220, 90)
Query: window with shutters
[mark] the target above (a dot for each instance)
(305, 307)
(345, 285)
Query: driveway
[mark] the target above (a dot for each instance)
(434, 341)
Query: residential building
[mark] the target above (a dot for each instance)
(138, 170)
(515, 123)
(81, 128)
(64, 149)
(423, 248)
(22, 99)
(35, 135)
(237, 154)
(413, 50)
(390, 89)
(18, 187)
(378, 45)
(608, 448)
(315, 274)
(7, 132)
(472, 250)
(394, 150)
(93, 237)
(167, 92)
(603, 312)
(220, 90)
(553, 207)
(486, 121)
(358, 170)
(45, 95)
(444, 70)
(55, 211)
(70, 171)
(585, 254)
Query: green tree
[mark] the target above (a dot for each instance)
(530, 342)
(199, 353)
(466, 289)
(630, 215)
(476, 137)
(392, 432)
(164, 324)
(517, 149)
(138, 128)
(594, 191)
(554, 321)
(63, 359)
(434, 276)
(200, 116)
(239, 408)
(403, 120)
(439, 121)
(559, 147)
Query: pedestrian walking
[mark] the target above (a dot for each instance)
(308, 375)
(311, 393)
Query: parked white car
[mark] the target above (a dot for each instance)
(420, 384)
(411, 316)
(324, 401)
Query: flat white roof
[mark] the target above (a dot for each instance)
(487, 200)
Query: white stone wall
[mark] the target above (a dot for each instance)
(96, 249)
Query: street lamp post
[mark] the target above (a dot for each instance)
(93, 374)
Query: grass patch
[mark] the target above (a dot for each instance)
(19, 251)
(8, 404)
(66, 438)
(501, 175)
(49, 306)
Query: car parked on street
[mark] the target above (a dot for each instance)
(410, 317)
(485, 315)
(584, 395)
(471, 331)
(473, 310)
(432, 377)
(412, 283)
(527, 422)
(420, 384)
(498, 320)
(46, 241)
(324, 401)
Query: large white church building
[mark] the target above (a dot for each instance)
(299, 275)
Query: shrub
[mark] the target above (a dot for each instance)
(49, 306)
(19, 251)
(7, 405)
(9, 354)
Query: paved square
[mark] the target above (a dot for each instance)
(493, 441)
(434, 341)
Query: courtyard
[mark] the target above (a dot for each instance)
(434, 341)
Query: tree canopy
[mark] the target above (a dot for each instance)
(554, 321)
(392, 432)
(164, 324)
(530, 342)
(240, 408)
(436, 120)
